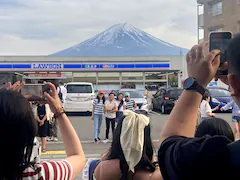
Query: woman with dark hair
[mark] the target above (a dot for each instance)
(97, 114)
(131, 155)
(121, 107)
(213, 127)
(42, 124)
(17, 133)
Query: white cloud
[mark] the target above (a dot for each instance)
(36, 27)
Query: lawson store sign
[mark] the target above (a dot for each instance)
(83, 67)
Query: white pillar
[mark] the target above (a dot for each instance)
(167, 80)
(96, 81)
(120, 78)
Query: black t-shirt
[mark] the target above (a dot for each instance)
(195, 158)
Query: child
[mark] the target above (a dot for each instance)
(205, 108)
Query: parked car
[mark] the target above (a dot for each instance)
(138, 98)
(165, 98)
(218, 97)
(80, 97)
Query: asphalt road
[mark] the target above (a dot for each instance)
(84, 127)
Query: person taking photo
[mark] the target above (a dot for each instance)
(180, 155)
(19, 145)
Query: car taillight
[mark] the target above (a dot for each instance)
(166, 98)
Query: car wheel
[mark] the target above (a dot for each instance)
(163, 109)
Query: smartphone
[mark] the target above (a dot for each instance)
(35, 92)
(220, 41)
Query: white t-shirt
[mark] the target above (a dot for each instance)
(110, 105)
(63, 91)
(205, 108)
(121, 108)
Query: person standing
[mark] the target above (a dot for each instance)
(97, 114)
(111, 108)
(121, 106)
(41, 117)
(148, 95)
(235, 116)
(62, 92)
(205, 108)
(130, 104)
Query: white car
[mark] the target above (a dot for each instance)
(80, 96)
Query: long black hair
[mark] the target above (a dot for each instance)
(103, 99)
(17, 132)
(116, 151)
(121, 102)
(215, 126)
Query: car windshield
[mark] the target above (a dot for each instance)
(219, 92)
(141, 92)
(79, 88)
(133, 94)
(174, 94)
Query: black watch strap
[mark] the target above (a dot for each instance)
(198, 88)
(192, 84)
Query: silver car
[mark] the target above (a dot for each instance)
(139, 99)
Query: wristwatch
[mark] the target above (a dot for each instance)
(59, 113)
(191, 84)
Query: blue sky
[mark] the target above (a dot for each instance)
(42, 27)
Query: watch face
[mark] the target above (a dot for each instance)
(188, 83)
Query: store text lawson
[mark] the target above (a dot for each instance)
(47, 66)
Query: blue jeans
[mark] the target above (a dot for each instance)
(97, 125)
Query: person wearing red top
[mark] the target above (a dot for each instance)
(17, 137)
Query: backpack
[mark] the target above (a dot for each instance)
(60, 94)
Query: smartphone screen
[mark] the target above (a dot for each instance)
(220, 41)
(34, 92)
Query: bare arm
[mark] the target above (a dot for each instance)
(37, 118)
(210, 114)
(73, 147)
(183, 124)
(203, 69)
(107, 109)
(115, 109)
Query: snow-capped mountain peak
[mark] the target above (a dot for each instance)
(123, 40)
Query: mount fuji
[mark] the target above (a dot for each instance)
(123, 40)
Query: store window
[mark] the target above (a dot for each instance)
(85, 77)
(130, 76)
(155, 76)
(173, 80)
(215, 8)
(109, 76)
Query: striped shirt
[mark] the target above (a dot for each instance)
(129, 105)
(98, 107)
(52, 170)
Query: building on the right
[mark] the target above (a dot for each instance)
(218, 15)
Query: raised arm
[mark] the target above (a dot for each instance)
(73, 147)
(227, 106)
(182, 120)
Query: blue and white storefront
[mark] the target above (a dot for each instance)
(107, 73)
